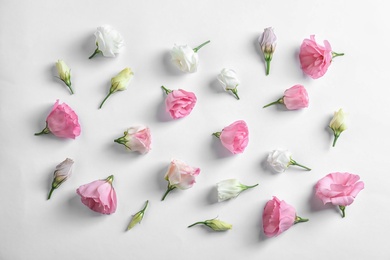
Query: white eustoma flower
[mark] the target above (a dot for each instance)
(108, 41)
(280, 160)
(186, 58)
(62, 172)
(229, 81)
(120, 82)
(64, 73)
(267, 43)
(230, 188)
(338, 124)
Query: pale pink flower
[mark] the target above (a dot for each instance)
(180, 175)
(99, 196)
(62, 172)
(294, 98)
(267, 43)
(136, 139)
(62, 122)
(278, 216)
(179, 103)
(339, 188)
(315, 59)
(234, 137)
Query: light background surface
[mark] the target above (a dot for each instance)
(34, 34)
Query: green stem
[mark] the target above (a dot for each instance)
(235, 93)
(336, 136)
(292, 162)
(250, 187)
(71, 90)
(335, 54)
(167, 91)
(196, 49)
(169, 189)
(342, 208)
(95, 52)
(51, 191)
(268, 66)
(146, 205)
(299, 220)
(104, 100)
(196, 223)
(217, 134)
(279, 101)
(44, 131)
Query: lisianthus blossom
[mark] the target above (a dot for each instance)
(294, 98)
(280, 160)
(109, 41)
(186, 58)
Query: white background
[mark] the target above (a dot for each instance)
(34, 34)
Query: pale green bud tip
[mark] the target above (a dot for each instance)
(218, 225)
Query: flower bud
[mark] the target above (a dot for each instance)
(229, 81)
(214, 224)
(64, 73)
(267, 43)
(62, 172)
(137, 218)
(338, 124)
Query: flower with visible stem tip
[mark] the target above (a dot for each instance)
(294, 98)
(62, 172)
(137, 217)
(186, 58)
(280, 160)
(214, 224)
(64, 74)
(231, 188)
(179, 103)
(229, 81)
(119, 82)
(267, 43)
(338, 124)
(136, 139)
(108, 41)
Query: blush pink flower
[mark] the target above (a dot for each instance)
(99, 196)
(136, 139)
(294, 98)
(179, 103)
(315, 59)
(234, 137)
(180, 175)
(278, 216)
(339, 188)
(62, 122)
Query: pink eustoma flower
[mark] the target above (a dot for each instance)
(99, 196)
(294, 98)
(136, 139)
(234, 137)
(315, 59)
(339, 188)
(180, 175)
(278, 216)
(62, 122)
(179, 103)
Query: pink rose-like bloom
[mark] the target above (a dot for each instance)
(62, 122)
(315, 59)
(179, 103)
(99, 196)
(296, 97)
(339, 188)
(181, 175)
(278, 216)
(235, 137)
(136, 139)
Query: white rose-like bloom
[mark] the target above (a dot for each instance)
(280, 160)
(338, 124)
(229, 81)
(230, 188)
(185, 58)
(108, 41)
(62, 172)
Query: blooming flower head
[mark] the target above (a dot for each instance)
(339, 188)
(229, 81)
(234, 137)
(294, 98)
(315, 59)
(62, 172)
(136, 139)
(231, 188)
(180, 175)
(120, 82)
(99, 196)
(338, 124)
(185, 58)
(278, 216)
(179, 103)
(214, 224)
(267, 43)
(109, 42)
(62, 122)
(64, 74)
(280, 160)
